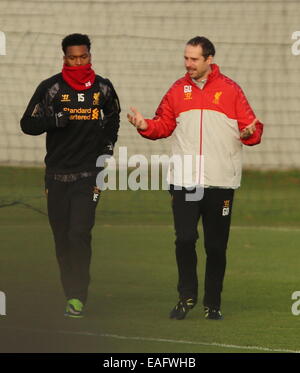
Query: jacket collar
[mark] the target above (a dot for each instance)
(215, 72)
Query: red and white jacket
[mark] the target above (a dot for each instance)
(207, 123)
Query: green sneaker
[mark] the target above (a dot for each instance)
(74, 308)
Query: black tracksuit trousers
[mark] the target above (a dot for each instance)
(71, 211)
(215, 208)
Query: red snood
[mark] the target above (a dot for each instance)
(79, 77)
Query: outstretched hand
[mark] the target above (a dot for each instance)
(137, 119)
(249, 130)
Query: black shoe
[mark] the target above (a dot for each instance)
(182, 308)
(212, 314)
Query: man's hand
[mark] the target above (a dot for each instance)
(62, 119)
(137, 119)
(249, 130)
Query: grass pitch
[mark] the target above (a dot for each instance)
(134, 273)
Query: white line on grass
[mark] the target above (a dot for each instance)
(259, 227)
(267, 228)
(147, 339)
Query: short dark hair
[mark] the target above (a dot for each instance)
(207, 46)
(75, 39)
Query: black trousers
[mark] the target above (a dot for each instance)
(215, 208)
(71, 212)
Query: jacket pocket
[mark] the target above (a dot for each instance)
(236, 163)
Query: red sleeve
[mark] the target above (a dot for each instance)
(164, 122)
(246, 116)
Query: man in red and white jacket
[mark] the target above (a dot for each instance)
(209, 119)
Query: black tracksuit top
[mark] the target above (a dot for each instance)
(94, 123)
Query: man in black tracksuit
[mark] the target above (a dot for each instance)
(79, 111)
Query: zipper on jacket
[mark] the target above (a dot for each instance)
(201, 145)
